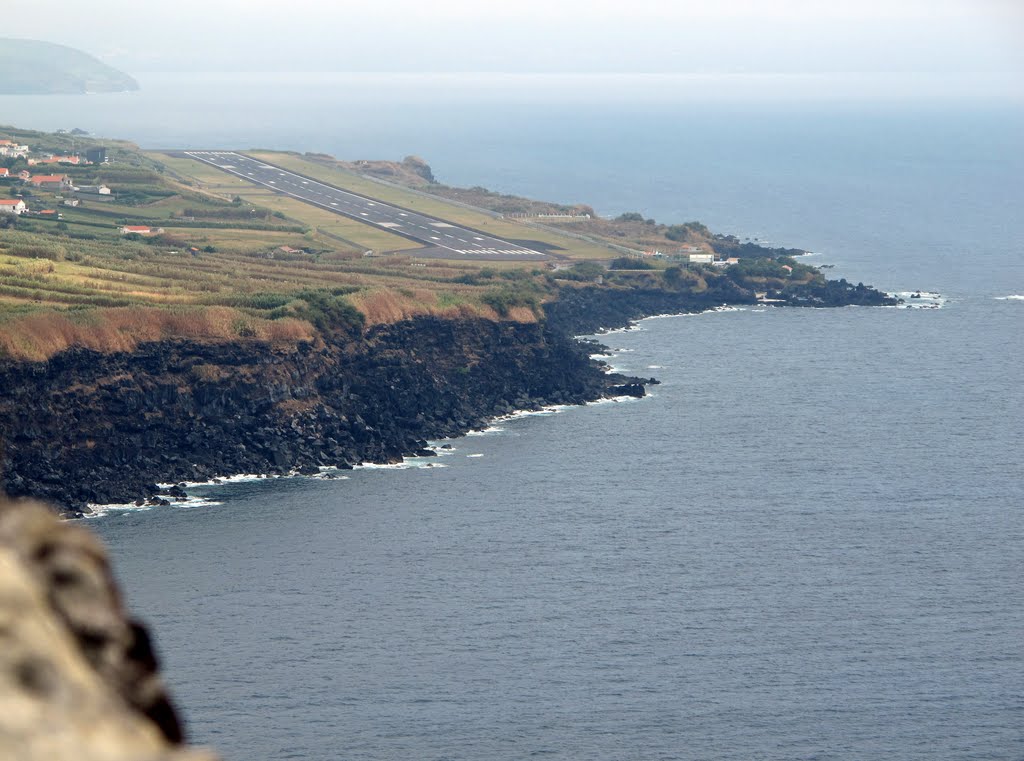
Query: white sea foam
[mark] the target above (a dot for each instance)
(474, 455)
(488, 429)
(627, 329)
(98, 511)
(669, 314)
(535, 413)
(615, 400)
(190, 502)
(239, 478)
(410, 463)
(655, 367)
(1011, 297)
(919, 299)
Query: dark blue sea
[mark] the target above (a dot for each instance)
(807, 543)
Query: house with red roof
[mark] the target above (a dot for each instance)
(55, 160)
(51, 181)
(5, 172)
(12, 206)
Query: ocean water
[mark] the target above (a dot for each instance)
(807, 543)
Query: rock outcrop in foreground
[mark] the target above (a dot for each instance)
(78, 678)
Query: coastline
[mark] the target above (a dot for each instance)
(178, 411)
(435, 447)
(440, 448)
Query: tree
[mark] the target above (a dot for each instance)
(684, 231)
(630, 216)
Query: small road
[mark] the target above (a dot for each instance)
(443, 239)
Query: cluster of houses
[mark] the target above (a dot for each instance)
(10, 149)
(57, 183)
(53, 159)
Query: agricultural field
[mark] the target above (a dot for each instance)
(224, 262)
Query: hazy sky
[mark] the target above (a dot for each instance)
(537, 35)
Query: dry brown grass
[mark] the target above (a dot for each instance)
(37, 337)
(384, 306)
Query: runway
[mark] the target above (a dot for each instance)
(442, 239)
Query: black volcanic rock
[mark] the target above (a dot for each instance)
(151, 415)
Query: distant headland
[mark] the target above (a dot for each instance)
(33, 67)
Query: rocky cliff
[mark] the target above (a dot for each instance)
(86, 427)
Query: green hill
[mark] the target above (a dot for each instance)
(31, 67)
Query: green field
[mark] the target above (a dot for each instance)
(503, 228)
(234, 261)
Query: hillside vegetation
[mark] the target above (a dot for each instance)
(630, 231)
(232, 262)
(32, 67)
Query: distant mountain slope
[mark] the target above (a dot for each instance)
(31, 67)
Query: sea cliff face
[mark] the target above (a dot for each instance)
(92, 428)
(96, 428)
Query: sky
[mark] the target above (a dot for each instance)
(538, 36)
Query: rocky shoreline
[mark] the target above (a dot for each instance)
(90, 428)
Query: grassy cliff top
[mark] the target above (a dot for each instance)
(231, 261)
(32, 67)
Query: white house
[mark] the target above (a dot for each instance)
(705, 258)
(11, 148)
(13, 206)
(140, 230)
(101, 190)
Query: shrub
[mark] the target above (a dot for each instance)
(630, 263)
(504, 300)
